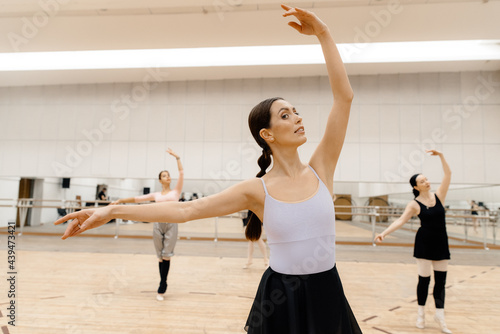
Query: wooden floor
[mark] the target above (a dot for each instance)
(106, 285)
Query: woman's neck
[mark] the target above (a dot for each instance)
(287, 163)
(425, 195)
(165, 188)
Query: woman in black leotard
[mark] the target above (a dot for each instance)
(431, 240)
(474, 207)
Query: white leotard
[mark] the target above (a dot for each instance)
(301, 235)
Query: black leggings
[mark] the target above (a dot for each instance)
(438, 292)
(164, 267)
(439, 288)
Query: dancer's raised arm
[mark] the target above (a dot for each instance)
(180, 182)
(151, 196)
(445, 183)
(325, 157)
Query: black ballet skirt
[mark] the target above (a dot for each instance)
(431, 240)
(301, 304)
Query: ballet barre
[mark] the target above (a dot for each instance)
(486, 219)
(373, 214)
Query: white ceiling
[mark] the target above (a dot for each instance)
(158, 24)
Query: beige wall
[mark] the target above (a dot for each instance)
(92, 131)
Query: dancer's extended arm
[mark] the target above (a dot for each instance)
(410, 211)
(245, 195)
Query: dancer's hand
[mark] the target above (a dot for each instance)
(434, 152)
(172, 153)
(115, 202)
(85, 220)
(310, 24)
(379, 238)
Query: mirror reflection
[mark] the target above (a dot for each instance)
(472, 210)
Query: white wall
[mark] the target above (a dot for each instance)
(121, 131)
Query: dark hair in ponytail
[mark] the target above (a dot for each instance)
(258, 119)
(264, 161)
(413, 182)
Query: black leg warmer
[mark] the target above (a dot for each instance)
(439, 287)
(164, 267)
(422, 289)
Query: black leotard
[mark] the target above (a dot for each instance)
(431, 240)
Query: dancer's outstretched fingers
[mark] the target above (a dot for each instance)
(66, 218)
